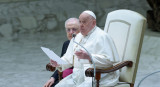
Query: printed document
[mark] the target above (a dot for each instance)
(53, 56)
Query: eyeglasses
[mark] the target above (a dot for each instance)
(72, 29)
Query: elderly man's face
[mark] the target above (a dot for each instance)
(72, 28)
(86, 23)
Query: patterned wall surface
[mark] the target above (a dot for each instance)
(23, 16)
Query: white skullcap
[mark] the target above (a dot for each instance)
(90, 13)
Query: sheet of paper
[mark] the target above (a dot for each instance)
(53, 56)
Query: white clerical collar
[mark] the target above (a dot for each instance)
(90, 32)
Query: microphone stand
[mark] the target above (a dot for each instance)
(89, 56)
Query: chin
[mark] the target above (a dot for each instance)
(83, 34)
(70, 38)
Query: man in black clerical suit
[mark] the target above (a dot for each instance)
(72, 27)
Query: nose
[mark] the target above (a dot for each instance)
(81, 25)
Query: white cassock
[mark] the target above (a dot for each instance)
(103, 52)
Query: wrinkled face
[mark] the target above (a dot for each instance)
(72, 28)
(86, 23)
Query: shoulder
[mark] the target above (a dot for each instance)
(79, 35)
(66, 42)
(100, 32)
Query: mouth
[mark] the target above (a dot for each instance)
(82, 29)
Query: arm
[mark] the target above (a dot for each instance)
(102, 54)
(55, 75)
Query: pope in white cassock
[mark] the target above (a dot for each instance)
(101, 48)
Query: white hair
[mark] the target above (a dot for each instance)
(71, 20)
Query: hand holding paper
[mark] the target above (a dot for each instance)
(53, 56)
(53, 63)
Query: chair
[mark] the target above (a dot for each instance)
(126, 28)
(52, 69)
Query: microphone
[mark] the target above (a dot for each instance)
(73, 36)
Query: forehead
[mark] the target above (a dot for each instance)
(84, 16)
(72, 25)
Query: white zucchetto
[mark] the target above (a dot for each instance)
(90, 13)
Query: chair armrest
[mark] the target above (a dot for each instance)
(90, 71)
(49, 67)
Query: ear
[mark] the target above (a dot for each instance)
(94, 22)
